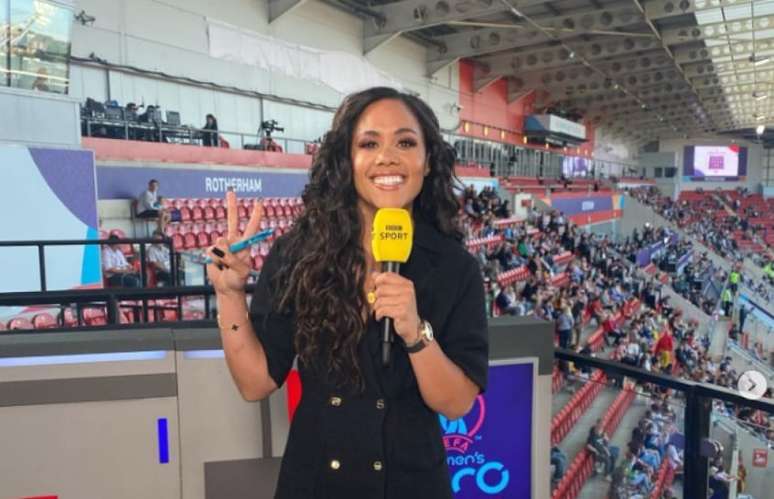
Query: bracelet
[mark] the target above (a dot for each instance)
(235, 326)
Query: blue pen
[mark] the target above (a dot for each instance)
(246, 243)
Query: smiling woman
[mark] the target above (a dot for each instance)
(361, 429)
(389, 164)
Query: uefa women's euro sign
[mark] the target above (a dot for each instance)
(488, 450)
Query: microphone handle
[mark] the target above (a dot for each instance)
(388, 335)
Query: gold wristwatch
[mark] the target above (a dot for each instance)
(424, 339)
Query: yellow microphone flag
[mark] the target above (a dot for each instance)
(392, 235)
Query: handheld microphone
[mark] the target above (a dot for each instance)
(391, 239)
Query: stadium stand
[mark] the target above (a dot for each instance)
(582, 271)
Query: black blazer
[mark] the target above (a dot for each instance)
(385, 442)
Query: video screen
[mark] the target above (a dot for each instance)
(716, 161)
(727, 162)
(575, 166)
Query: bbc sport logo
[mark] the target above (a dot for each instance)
(459, 439)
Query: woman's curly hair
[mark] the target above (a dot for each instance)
(323, 277)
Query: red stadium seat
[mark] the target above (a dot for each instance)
(20, 323)
(202, 239)
(241, 212)
(44, 320)
(193, 315)
(208, 213)
(185, 214)
(94, 316)
(126, 316)
(220, 212)
(178, 242)
(197, 213)
(67, 317)
(189, 241)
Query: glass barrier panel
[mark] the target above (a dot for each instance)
(39, 45)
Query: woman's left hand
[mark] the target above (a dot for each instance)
(395, 298)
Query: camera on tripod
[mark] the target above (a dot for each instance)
(271, 126)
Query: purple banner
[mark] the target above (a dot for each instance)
(70, 175)
(647, 254)
(683, 262)
(577, 205)
(489, 450)
(120, 182)
(643, 257)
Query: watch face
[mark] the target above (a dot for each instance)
(427, 331)
(752, 385)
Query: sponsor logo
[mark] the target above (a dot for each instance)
(469, 468)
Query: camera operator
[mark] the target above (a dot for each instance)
(267, 143)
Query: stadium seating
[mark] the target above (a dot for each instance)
(582, 465)
(44, 320)
(20, 323)
(562, 423)
(531, 185)
(474, 244)
(664, 478)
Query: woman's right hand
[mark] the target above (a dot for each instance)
(228, 271)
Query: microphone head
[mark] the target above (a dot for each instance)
(392, 235)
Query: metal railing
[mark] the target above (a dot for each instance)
(112, 300)
(698, 410)
(41, 249)
(513, 160)
(179, 134)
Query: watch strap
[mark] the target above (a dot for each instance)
(417, 346)
(421, 342)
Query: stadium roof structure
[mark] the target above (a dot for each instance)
(644, 69)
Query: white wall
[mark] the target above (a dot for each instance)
(39, 119)
(754, 163)
(171, 36)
